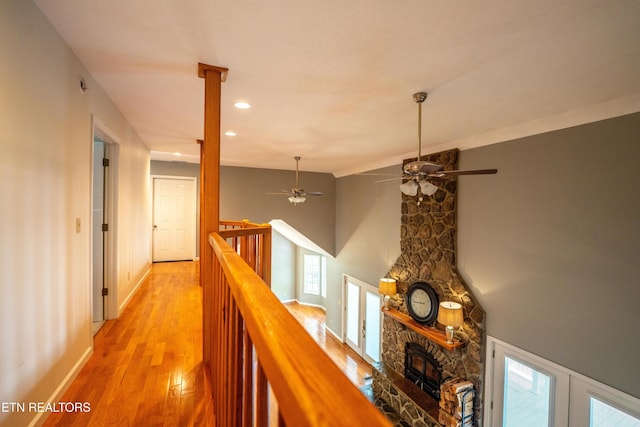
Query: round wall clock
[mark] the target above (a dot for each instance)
(422, 303)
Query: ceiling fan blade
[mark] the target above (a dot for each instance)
(280, 194)
(439, 179)
(393, 179)
(313, 193)
(442, 174)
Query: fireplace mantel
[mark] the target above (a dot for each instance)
(432, 334)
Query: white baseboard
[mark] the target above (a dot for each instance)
(57, 394)
(134, 290)
(328, 329)
(306, 303)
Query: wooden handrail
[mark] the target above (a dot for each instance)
(309, 388)
(253, 242)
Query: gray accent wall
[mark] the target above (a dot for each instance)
(243, 195)
(549, 246)
(367, 233)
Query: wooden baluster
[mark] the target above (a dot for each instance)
(235, 364)
(262, 398)
(224, 349)
(247, 392)
(265, 256)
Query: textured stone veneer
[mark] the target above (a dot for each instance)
(403, 401)
(428, 254)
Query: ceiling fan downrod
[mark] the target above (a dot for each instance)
(297, 159)
(419, 98)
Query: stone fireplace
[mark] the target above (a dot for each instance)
(428, 254)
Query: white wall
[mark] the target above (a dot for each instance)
(45, 183)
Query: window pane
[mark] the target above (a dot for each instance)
(604, 415)
(372, 341)
(323, 276)
(353, 313)
(312, 274)
(527, 396)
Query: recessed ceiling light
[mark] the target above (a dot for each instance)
(230, 133)
(177, 154)
(242, 105)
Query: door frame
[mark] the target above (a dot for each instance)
(112, 147)
(194, 202)
(364, 286)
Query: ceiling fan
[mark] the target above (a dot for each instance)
(425, 175)
(297, 195)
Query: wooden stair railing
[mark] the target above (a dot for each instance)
(252, 242)
(257, 343)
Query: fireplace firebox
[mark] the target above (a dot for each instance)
(422, 369)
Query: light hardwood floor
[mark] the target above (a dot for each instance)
(313, 319)
(147, 369)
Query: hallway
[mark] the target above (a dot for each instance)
(147, 369)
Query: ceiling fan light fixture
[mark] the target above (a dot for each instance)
(410, 188)
(297, 199)
(427, 188)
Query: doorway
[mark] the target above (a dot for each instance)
(174, 218)
(103, 224)
(97, 221)
(362, 318)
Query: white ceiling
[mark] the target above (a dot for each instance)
(332, 81)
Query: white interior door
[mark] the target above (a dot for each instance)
(174, 218)
(99, 187)
(362, 318)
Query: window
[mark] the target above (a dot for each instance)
(602, 415)
(527, 395)
(315, 272)
(525, 390)
(528, 391)
(594, 404)
(323, 276)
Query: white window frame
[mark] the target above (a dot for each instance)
(494, 390)
(323, 276)
(571, 396)
(584, 388)
(320, 288)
